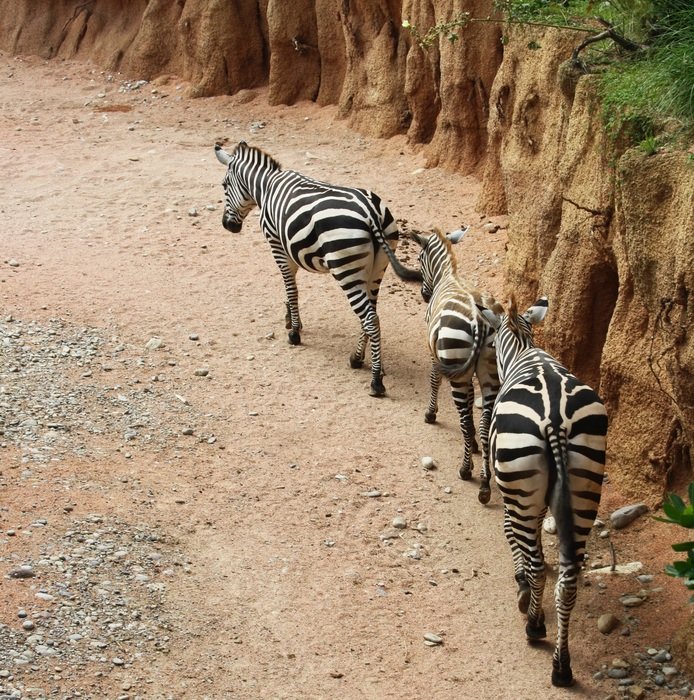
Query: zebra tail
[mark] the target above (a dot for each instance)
(404, 273)
(560, 499)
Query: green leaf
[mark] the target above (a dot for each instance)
(670, 570)
(674, 506)
(684, 546)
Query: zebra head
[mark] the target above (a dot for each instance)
(514, 331)
(436, 257)
(237, 199)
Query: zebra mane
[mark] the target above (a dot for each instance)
(268, 160)
(449, 249)
(512, 315)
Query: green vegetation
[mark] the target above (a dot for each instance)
(679, 513)
(642, 49)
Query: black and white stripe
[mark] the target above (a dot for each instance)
(548, 449)
(461, 345)
(321, 228)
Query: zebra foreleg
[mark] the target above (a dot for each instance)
(523, 592)
(435, 384)
(461, 397)
(485, 491)
(356, 359)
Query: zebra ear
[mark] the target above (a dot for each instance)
(222, 156)
(491, 318)
(457, 235)
(421, 240)
(537, 312)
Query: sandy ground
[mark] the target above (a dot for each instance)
(249, 457)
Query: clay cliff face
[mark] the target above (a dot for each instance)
(605, 235)
(608, 238)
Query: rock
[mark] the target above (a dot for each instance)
(428, 463)
(636, 692)
(399, 523)
(626, 515)
(374, 493)
(607, 623)
(629, 568)
(549, 525)
(631, 601)
(202, 372)
(432, 639)
(22, 572)
(194, 336)
(154, 343)
(617, 673)
(12, 262)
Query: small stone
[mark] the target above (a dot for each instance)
(621, 663)
(374, 493)
(187, 431)
(631, 601)
(192, 211)
(662, 656)
(117, 661)
(12, 262)
(447, 489)
(428, 463)
(153, 343)
(202, 372)
(432, 639)
(549, 525)
(194, 336)
(399, 523)
(607, 623)
(636, 692)
(669, 671)
(28, 625)
(626, 515)
(659, 679)
(645, 578)
(617, 673)
(22, 572)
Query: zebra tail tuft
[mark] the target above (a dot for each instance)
(560, 499)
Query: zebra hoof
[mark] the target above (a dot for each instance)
(465, 474)
(356, 362)
(485, 493)
(377, 388)
(562, 679)
(535, 632)
(429, 417)
(294, 338)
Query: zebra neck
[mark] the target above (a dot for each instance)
(255, 180)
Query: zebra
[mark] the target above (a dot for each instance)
(547, 443)
(319, 227)
(460, 343)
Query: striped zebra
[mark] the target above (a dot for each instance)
(460, 343)
(548, 449)
(321, 228)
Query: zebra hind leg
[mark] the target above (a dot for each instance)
(485, 491)
(565, 599)
(435, 384)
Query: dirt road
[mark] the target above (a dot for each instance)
(193, 499)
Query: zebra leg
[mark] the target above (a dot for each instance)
(371, 330)
(461, 396)
(535, 572)
(485, 491)
(474, 447)
(356, 359)
(564, 599)
(292, 318)
(435, 384)
(523, 593)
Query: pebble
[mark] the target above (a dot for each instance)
(432, 639)
(626, 515)
(428, 463)
(549, 525)
(617, 673)
(631, 601)
(154, 343)
(374, 493)
(202, 372)
(187, 431)
(12, 262)
(607, 623)
(399, 523)
(194, 336)
(28, 625)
